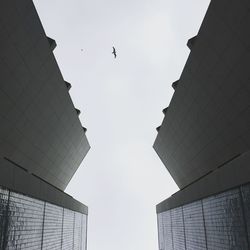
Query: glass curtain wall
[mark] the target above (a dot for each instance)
(28, 223)
(217, 222)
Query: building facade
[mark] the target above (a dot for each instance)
(204, 139)
(42, 141)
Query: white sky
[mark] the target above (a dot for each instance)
(121, 179)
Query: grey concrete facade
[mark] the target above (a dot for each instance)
(207, 122)
(19, 180)
(224, 178)
(42, 141)
(39, 126)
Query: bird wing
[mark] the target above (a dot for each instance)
(114, 52)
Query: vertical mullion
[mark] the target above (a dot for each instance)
(171, 230)
(158, 229)
(86, 232)
(74, 231)
(184, 228)
(244, 216)
(204, 223)
(62, 229)
(44, 207)
(6, 223)
(81, 234)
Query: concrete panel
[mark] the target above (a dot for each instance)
(207, 122)
(233, 174)
(39, 128)
(19, 180)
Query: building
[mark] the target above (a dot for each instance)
(204, 139)
(42, 141)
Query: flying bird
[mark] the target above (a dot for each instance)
(114, 52)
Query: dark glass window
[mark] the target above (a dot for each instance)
(217, 222)
(28, 223)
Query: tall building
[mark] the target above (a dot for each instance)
(204, 139)
(42, 141)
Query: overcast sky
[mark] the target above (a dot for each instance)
(121, 179)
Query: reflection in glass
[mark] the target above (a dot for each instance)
(28, 223)
(216, 222)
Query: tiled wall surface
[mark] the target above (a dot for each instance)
(39, 127)
(207, 122)
(28, 223)
(219, 222)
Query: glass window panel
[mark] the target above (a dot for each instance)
(26, 216)
(194, 226)
(160, 231)
(28, 223)
(68, 230)
(224, 221)
(167, 230)
(178, 228)
(52, 232)
(84, 232)
(245, 190)
(77, 231)
(3, 210)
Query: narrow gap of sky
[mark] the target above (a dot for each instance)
(121, 179)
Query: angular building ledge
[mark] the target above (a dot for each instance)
(84, 129)
(78, 111)
(68, 85)
(158, 128)
(191, 42)
(52, 43)
(21, 181)
(164, 111)
(175, 84)
(221, 179)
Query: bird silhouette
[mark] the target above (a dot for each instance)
(114, 52)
